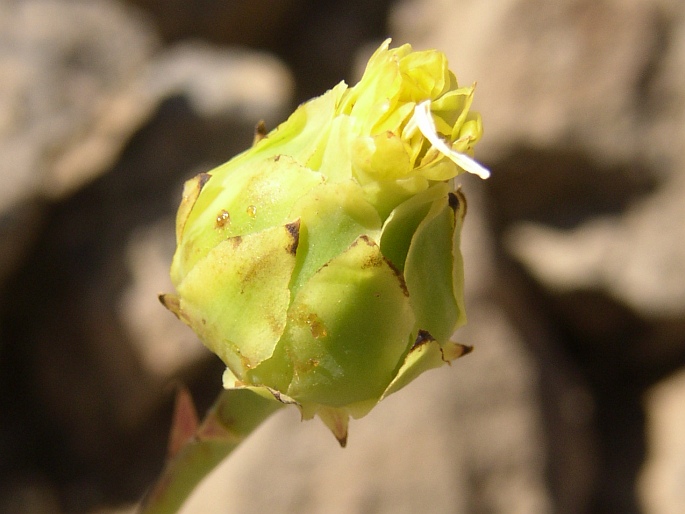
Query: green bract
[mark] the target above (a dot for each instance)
(322, 265)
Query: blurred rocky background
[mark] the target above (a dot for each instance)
(574, 398)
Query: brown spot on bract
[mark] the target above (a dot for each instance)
(457, 201)
(453, 201)
(203, 178)
(362, 239)
(236, 241)
(275, 323)
(373, 261)
(463, 350)
(259, 132)
(422, 337)
(223, 218)
(466, 349)
(399, 276)
(316, 327)
(294, 231)
(171, 302)
(378, 259)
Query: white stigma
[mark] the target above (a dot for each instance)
(423, 119)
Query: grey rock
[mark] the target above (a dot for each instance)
(638, 258)
(65, 110)
(65, 67)
(238, 22)
(245, 84)
(661, 482)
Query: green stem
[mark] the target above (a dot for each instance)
(233, 417)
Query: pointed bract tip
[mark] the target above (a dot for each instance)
(337, 421)
(171, 302)
(184, 423)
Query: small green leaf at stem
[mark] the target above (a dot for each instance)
(233, 417)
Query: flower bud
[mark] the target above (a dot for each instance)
(322, 265)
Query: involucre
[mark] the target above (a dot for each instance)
(323, 265)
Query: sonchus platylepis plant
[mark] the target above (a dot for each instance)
(323, 265)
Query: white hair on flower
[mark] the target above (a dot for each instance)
(423, 120)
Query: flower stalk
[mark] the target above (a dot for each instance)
(233, 417)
